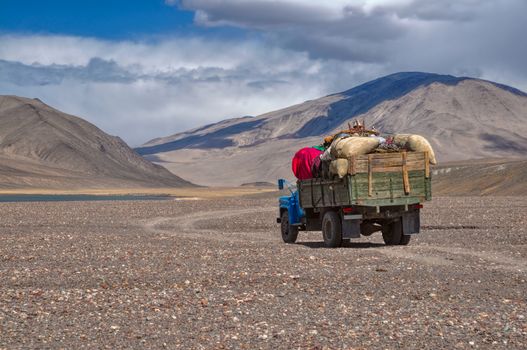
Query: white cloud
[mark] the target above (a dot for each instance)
(153, 56)
(143, 90)
(447, 36)
(396, 31)
(146, 89)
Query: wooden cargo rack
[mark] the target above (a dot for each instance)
(373, 179)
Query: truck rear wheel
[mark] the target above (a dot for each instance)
(392, 234)
(289, 232)
(405, 239)
(332, 229)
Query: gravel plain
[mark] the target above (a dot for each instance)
(205, 274)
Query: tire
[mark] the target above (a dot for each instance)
(289, 233)
(392, 234)
(332, 229)
(405, 239)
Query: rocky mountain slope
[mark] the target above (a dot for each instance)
(464, 118)
(42, 147)
(489, 177)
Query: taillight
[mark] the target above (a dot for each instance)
(347, 210)
(418, 206)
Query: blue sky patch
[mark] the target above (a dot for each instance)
(115, 19)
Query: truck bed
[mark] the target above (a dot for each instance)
(380, 179)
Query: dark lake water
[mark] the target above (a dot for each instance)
(75, 197)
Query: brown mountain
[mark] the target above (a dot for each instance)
(41, 147)
(496, 177)
(464, 118)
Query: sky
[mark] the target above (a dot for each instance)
(149, 68)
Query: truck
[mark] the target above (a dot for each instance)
(381, 192)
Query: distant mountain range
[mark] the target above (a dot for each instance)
(41, 147)
(463, 118)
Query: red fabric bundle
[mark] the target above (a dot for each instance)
(303, 162)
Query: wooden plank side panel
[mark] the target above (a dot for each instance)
(383, 157)
(304, 195)
(389, 185)
(390, 162)
(428, 188)
(370, 175)
(384, 184)
(406, 180)
(397, 168)
(318, 194)
(391, 195)
(385, 202)
(385, 180)
(309, 193)
(334, 194)
(393, 163)
(342, 193)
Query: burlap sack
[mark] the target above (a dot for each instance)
(416, 143)
(401, 139)
(339, 167)
(353, 146)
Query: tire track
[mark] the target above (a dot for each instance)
(185, 226)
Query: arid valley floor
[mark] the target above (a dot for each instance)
(214, 273)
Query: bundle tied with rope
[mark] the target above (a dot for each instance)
(355, 141)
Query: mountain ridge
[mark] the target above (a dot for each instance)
(360, 99)
(464, 118)
(47, 147)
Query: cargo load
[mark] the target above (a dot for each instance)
(338, 154)
(353, 146)
(303, 162)
(415, 143)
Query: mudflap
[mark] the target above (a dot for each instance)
(350, 229)
(411, 222)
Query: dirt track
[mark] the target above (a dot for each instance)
(212, 274)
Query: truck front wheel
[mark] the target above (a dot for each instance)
(392, 234)
(332, 229)
(289, 232)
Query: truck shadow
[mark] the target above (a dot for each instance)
(356, 245)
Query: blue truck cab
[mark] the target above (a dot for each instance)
(291, 213)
